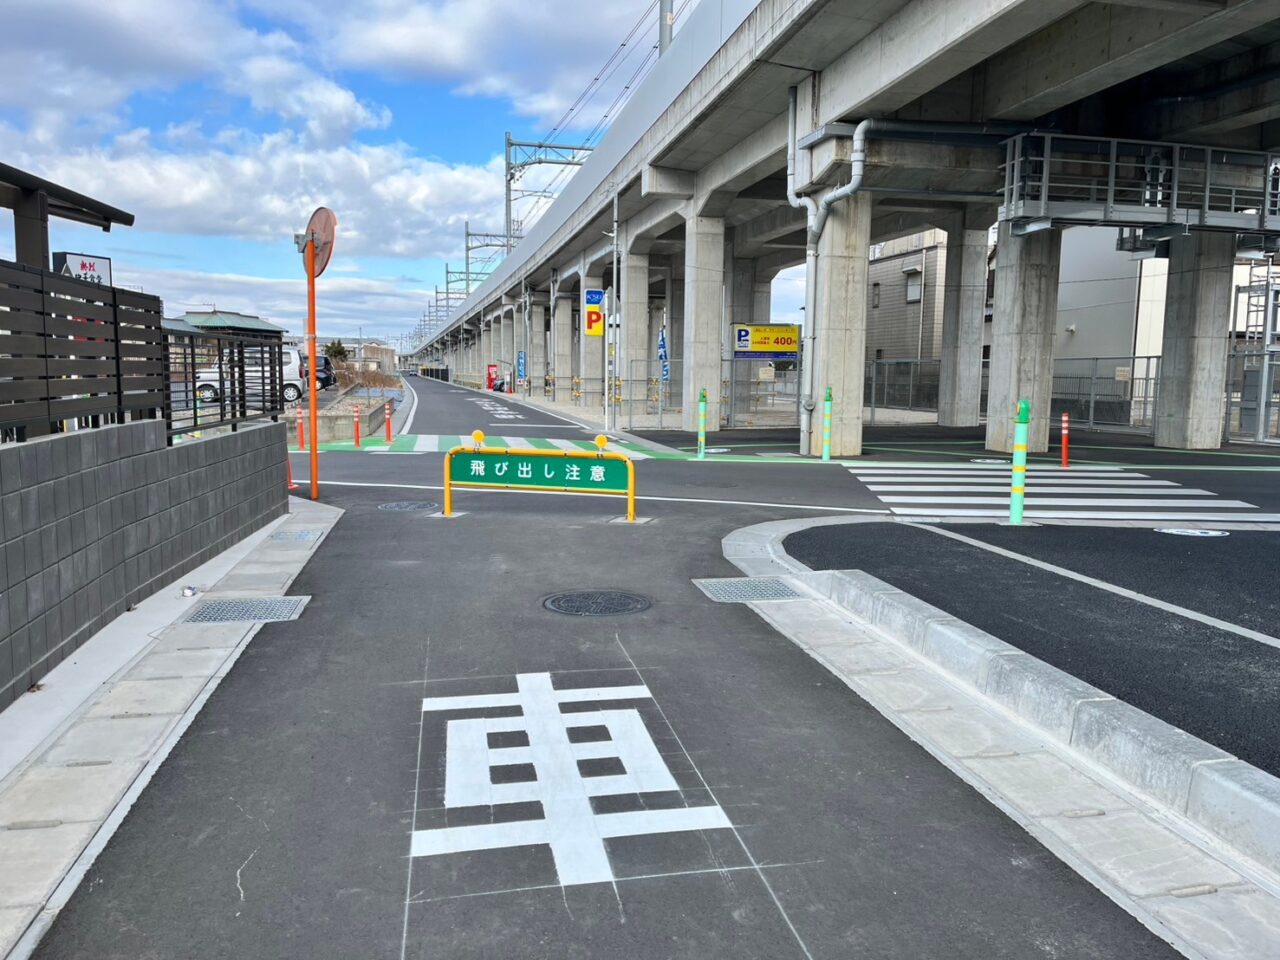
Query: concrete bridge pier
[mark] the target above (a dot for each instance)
(703, 318)
(634, 347)
(537, 348)
(840, 346)
(963, 303)
(1025, 313)
(1193, 369)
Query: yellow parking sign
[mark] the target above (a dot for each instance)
(766, 341)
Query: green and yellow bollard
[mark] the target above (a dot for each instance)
(702, 424)
(1018, 483)
(826, 425)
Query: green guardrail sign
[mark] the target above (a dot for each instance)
(501, 468)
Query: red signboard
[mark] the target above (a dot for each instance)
(491, 375)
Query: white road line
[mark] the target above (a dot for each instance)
(408, 420)
(557, 493)
(981, 467)
(1164, 515)
(1035, 489)
(1002, 472)
(1032, 499)
(1112, 588)
(931, 483)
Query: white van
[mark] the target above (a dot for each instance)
(295, 386)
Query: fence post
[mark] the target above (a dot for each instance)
(826, 425)
(1093, 392)
(1018, 480)
(872, 419)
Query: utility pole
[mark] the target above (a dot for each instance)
(665, 20)
(522, 154)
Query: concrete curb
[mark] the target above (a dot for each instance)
(1230, 800)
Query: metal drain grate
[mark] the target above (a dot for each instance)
(747, 589)
(409, 505)
(260, 609)
(597, 603)
(303, 535)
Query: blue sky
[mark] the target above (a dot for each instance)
(222, 123)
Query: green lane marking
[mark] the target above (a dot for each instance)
(540, 444)
(446, 442)
(584, 445)
(403, 444)
(494, 441)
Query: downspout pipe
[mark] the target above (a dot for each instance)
(819, 211)
(808, 341)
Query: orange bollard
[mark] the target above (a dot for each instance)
(302, 437)
(289, 466)
(357, 421)
(1066, 441)
(386, 413)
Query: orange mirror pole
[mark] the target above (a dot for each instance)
(311, 367)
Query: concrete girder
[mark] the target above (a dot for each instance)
(1236, 93)
(923, 45)
(666, 182)
(644, 228)
(1099, 46)
(750, 236)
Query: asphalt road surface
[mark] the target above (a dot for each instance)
(1213, 683)
(430, 763)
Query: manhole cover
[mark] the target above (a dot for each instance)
(1184, 532)
(747, 589)
(989, 460)
(409, 505)
(596, 603)
(304, 535)
(261, 609)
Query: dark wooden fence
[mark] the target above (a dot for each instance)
(73, 352)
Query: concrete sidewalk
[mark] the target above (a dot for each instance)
(79, 751)
(1180, 833)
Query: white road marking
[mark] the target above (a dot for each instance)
(1170, 515)
(569, 826)
(1112, 588)
(556, 493)
(1075, 501)
(963, 488)
(1108, 493)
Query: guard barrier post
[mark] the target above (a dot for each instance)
(1018, 482)
(386, 413)
(357, 425)
(702, 423)
(826, 425)
(1066, 440)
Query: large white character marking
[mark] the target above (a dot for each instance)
(575, 834)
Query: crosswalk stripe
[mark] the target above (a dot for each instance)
(1092, 493)
(1074, 501)
(1095, 515)
(1036, 489)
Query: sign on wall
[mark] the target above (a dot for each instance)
(766, 341)
(593, 312)
(83, 266)
(662, 355)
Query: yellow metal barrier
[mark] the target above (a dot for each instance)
(480, 458)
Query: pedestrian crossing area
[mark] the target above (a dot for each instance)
(922, 489)
(443, 443)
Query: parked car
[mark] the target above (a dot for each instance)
(326, 374)
(210, 379)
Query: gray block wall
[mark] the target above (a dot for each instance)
(95, 521)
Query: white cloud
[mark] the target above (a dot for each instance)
(85, 58)
(537, 55)
(389, 202)
(344, 305)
